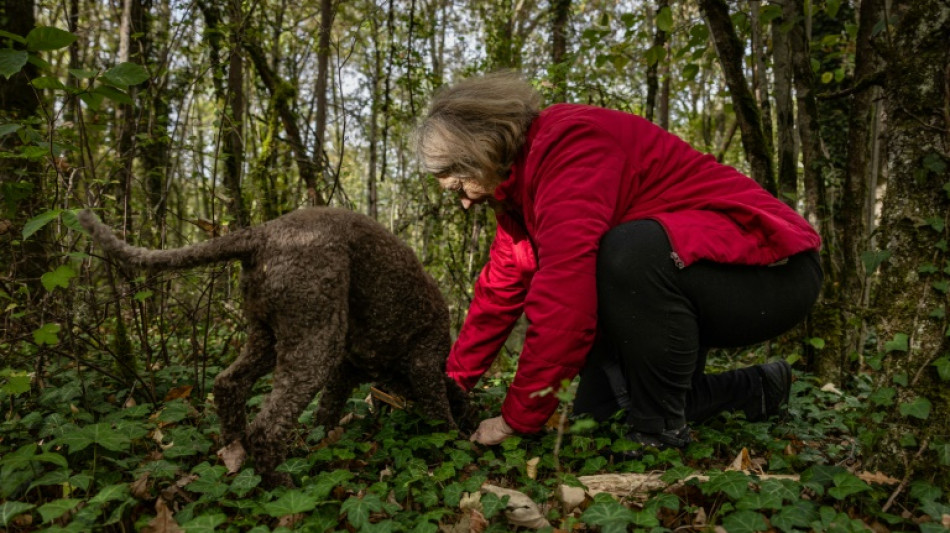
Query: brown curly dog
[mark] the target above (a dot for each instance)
(332, 300)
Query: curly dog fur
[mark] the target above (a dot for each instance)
(332, 300)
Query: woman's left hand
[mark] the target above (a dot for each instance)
(492, 431)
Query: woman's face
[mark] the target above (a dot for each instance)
(471, 191)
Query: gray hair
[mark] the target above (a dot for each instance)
(475, 128)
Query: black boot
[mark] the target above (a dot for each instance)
(670, 438)
(776, 378)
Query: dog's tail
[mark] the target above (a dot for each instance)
(232, 246)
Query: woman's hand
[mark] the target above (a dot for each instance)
(492, 431)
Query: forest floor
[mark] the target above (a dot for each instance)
(79, 455)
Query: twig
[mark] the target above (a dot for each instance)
(904, 482)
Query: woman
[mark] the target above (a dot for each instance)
(630, 254)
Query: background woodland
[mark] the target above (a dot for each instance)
(178, 120)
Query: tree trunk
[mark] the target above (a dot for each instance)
(323, 66)
(825, 321)
(784, 116)
(374, 107)
(852, 216)
(234, 117)
(912, 302)
(653, 80)
(760, 77)
(730, 53)
(560, 62)
(310, 171)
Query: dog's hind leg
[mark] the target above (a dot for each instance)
(233, 385)
(311, 341)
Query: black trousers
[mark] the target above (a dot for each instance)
(657, 322)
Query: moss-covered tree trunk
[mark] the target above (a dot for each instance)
(912, 325)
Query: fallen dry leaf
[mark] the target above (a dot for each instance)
(878, 478)
(830, 387)
(477, 522)
(333, 436)
(233, 456)
(470, 501)
(570, 497)
(531, 467)
(699, 519)
(290, 520)
(139, 487)
(164, 521)
(742, 462)
(179, 392)
(185, 480)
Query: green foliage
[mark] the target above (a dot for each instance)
(392, 471)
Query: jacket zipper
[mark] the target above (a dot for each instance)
(677, 261)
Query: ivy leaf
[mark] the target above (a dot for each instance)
(294, 465)
(452, 494)
(244, 482)
(897, 344)
(734, 484)
(934, 163)
(873, 259)
(119, 491)
(358, 509)
(104, 435)
(943, 367)
(11, 61)
(919, 408)
(744, 522)
(48, 38)
(58, 278)
(10, 509)
(57, 508)
(943, 453)
(492, 504)
(204, 523)
(46, 334)
(611, 516)
(39, 221)
(16, 384)
(798, 515)
(664, 19)
(125, 75)
(883, 397)
(292, 502)
(326, 482)
(847, 484)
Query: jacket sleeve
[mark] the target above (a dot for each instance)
(497, 304)
(578, 188)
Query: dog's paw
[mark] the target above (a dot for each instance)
(233, 456)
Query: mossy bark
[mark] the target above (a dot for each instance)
(912, 299)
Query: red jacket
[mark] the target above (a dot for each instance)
(582, 171)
